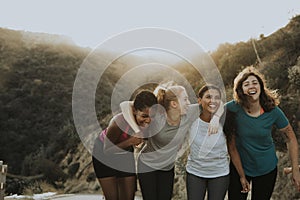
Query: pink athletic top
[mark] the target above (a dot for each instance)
(123, 137)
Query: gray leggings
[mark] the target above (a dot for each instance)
(197, 186)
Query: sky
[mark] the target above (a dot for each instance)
(210, 23)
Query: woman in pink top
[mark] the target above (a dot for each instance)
(113, 159)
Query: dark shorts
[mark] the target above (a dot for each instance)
(113, 165)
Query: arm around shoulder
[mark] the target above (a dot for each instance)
(127, 111)
(112, 143)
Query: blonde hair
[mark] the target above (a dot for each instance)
(165, 93)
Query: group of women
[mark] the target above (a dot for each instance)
(225, 160)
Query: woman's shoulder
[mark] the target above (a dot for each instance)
(232, 106)
(118, 118)
(119, 121)
(277, 111)
(193, 112)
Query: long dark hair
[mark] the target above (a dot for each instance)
(229, 127)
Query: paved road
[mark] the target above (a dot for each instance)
(77, 197)
(82, 197)
(61, 197)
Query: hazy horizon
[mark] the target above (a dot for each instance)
(90, 23)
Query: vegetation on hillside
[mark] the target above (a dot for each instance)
(277, 57)
(35, 109)
(37, 78)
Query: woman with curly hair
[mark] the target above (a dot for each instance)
(256, 111)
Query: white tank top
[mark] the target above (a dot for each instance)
(208, 156)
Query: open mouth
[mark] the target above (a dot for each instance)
(252, 92)
(145, 125)
(212, 106)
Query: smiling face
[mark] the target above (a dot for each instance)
(251, 88)
(183, 101)
(142, 117)
(210, 101)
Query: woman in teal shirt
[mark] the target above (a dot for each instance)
(256, 111)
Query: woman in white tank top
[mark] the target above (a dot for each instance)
(208, 162)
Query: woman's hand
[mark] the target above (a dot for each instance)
(295, 175)
(296, 178)
(245, 185)
(214, 124)
(136, 139)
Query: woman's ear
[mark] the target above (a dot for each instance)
(133, 110)
(173, 104)
(199, 101)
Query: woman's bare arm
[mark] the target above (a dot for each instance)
(236, 160)
(111, 144)
(292, 145)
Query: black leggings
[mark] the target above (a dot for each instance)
(156, 184)
(261, 189)
(197, 186)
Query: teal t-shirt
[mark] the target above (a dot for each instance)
(254, 138)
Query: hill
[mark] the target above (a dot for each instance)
(37, 74)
